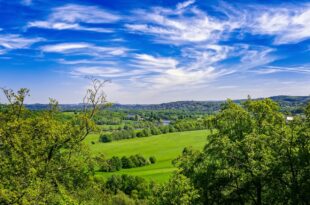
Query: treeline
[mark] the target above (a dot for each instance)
(158, 115)
(129, 132)
(177, 110)
(116, 163)
(114, 116)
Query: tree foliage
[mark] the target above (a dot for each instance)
(177, 191)
(43, 160)
(253, 157)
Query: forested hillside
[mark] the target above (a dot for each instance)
(287, 103)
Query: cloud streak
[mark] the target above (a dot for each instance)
(288, 24)
(10, 42)
(190, 25)
(82, 48)
(73, 17)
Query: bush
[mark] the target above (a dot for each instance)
(140, 134)
(115, 164)
(134, 160)
(178, 190)
(141, 161)
(130, 185)
(152, 160)
(146, 132)
(127, 163)
(155, 131)
(121, 199)
(105, 138)
(105, 166)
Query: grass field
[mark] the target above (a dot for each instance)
(165, 148)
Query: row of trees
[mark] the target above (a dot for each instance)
(129, 132)
(126, 162)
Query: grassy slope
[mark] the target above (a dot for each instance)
(165, 148)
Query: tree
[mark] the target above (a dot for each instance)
(141, 161)
(115, 164)
(105, 137)
(178, 191)
(253, 157)
(43, 159)
(130, 185)
(127, 163)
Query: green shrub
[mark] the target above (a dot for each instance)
(130, 185)
(127, 163)
(152, 160)
(115, 164)
(105, 137)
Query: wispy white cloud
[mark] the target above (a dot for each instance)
(65, 47)
(281, 69)
(82, 48)
(105, 72)
(72, 16)
(203, 65)
(151, 63)
(152, 72)
(185, 4)
(87, 62)
(141, 66)
(289, 23)
(15, 41)
(179, 78)
(173, 27)
(255, 56)
(206, 54)
(186, 24)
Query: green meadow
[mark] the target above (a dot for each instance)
(164, 147)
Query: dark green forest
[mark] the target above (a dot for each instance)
(293, 104)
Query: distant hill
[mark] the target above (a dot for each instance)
(287, 103)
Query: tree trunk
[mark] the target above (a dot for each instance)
(259, 193)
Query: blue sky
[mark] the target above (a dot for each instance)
(155, 51)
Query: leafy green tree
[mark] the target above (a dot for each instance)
(105, 137)
(130, 185)
(253, 157)
(141, 161)
(155, 130)
(115, 164)
(43, 159)
(178, 191)
(127, 163)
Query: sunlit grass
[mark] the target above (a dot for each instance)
(165, 148)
